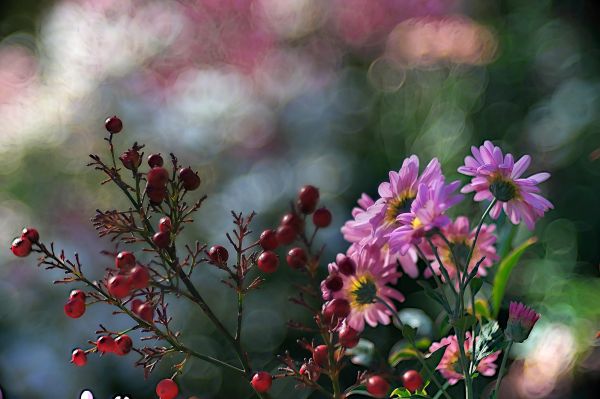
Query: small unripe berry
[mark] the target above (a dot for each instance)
(262, 381)
(31, 234)
(123, 345)
(268, 262)
(346, 265)
(268, 240)
(113, 124)
(296, 258)
(167, 389)
(21, 247)
(320, 355)
(322, 217)
(161, 239)
(131, 159)
(286, 235)
(348, 336)
(146, 312)
(156, 194)
(308, 197)
(157, 177)
(139, 278)
(336, 310)
(125, 260)
(106, 344)
(74, 308)
(218, 254)
(412, 380)
(292, 220)
(377, 386)
(77, 295)
(78, 357)
(164, 224)
(310, 371)
(155, 160)
(334, 283)
(118, 286)
(189, 179)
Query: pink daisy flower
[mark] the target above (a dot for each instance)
(449, 365)
(461, 237)
(498, 176)
(521, 320)
(371, 278)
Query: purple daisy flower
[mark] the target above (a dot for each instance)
(521, 320)
(498, 176)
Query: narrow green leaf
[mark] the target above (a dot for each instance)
(476, 284)
(401, 351)
(432, 362)
(490, 340)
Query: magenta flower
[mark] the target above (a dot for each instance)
(371, 278)
(449, 365)
(461, 238)
(521, 320)
(498, 176)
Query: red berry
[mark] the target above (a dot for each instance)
(310, 371)
(31, 234)
(322, 217)
(125, 260)
(131, 159)
(268, 262)
(338, 307)
(146, 312)
(262, 381)
(157, 177)
(286, 235)
(155, 160)
(106, 344)
(268, 240)
(123, 345)
(189, 179)
(348, 336)
(77, 295)
(412, 380)
(346, 265)
(113, 124)
(292, 220)
(377, 386)
(320, 355)
(74, 308)
(156, 194)
(135, 305)
(167, 389)
(334, 283)
(118, 286)
(296, 258)
(161, 239)
(78, 357)
(139, 278)
(164, 224)
(218, 254)
(308, 197)
(21, 247)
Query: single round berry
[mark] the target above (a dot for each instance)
(125, 260)
(123, 344)
(78, 357)
(155, 160)
(346, 265)
(339, 307)
(189, 179)
(135, 305)
(78, 295)
(377, 386)
(161, 239)
(322, 217)
(320, 355)
(118, 286)
(74, 308)
(218, 254)
(310, 371)
(113, 124)
(31, 234)
(139, 278)
(308, 197)
(131, 159)
(292, 220)
(412, 380)
(157, 177)
(167, 389)
(334, 283)
(164, 224)
(348, 336)
(286, 235)
(268, 240)
(296, 258)
(268, 262)
(21, 247)
(156, 194)
(106, 344)
(262, 381)
(146, 312)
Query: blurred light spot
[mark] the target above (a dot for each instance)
(384, 76)
(264, 330)
(293, 18)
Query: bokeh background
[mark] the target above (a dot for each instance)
(263, 96)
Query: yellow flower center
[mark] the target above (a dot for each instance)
(416, 223)
(362, 291)
(398, 205)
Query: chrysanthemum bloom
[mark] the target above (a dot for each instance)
(427, 213)
(498, 176)
(521, 320)
(371, 279)
(449, 365)
(461, 238)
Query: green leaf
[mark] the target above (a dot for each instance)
(435, 295)
(401, 351)
(401, 393)
(464, 323)
(490, 340)
(476, 284)
(432, 362)
(503, 274)
(408, 332)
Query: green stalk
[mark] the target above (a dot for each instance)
(503, 366)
